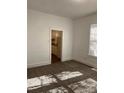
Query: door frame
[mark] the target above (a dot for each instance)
(50, 47)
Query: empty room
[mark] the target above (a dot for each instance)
(62, 46)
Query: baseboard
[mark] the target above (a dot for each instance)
(37, 65)
(86, 63)
(64, 60)
(47, 63)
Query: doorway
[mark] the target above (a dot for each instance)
(56, 46)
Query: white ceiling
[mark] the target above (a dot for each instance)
(66, 8)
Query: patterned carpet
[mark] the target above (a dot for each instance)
(62, 77)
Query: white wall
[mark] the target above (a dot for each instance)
(81, 39)
(38, 47)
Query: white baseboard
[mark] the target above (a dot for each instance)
(87, 63)
(37, 65)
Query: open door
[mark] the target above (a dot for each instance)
(56, 46)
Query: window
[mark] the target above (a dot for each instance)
(93, 40)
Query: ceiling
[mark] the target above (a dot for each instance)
(67, 8)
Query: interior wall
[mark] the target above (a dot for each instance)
(81, 38)
(38, 37)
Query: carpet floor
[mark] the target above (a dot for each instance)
(62, 77)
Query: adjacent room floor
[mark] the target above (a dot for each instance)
(62, 77)
(55, 59)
